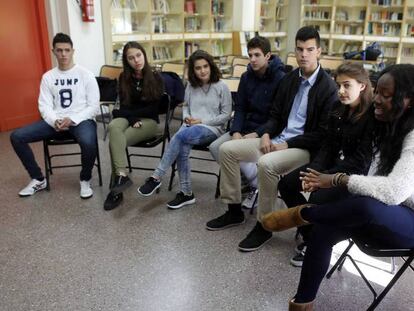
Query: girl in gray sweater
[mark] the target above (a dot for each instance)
(206, 110)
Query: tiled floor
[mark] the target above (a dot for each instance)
(58, 252)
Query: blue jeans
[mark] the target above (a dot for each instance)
(364, 218)
(84, 133)
(179, 150)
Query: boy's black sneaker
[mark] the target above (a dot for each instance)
(225, 221)
(150, 186)
(121, 183)
(297, 260)
(181, 200)
(301, 247)
(113, 200)
(255, 239)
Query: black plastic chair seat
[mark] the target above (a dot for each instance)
(201, 147)
(150, 143)
(377, 251)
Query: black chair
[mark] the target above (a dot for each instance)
(107, 82)
(161, 138)
(407, 256)
(64, 139)
(208, 158)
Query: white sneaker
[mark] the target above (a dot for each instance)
(33, 187)
(251, 199)
(86, 191)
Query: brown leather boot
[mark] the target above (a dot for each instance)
(284, 219)
(307, 306)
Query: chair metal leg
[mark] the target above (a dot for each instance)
(47, 164)
(393, 265)
(98, 165)
(340, 261)
(254, 203)
(128, 159)
(103, 122)
(217, 187)
(173, 170)
(381, 296)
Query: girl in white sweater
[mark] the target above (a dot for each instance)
(381, 212)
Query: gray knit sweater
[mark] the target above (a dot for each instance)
(394, 189)
(211, 104)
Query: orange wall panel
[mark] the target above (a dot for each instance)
(25, 56)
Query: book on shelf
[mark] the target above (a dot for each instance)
(380, 29)
(217, 7)
(192, 24)
(190, 7)
(410, 30)
(160, 6)
(407, 52)
(387, 2)
(277, 44)
(190, 48)
(218, 23)
(159, 24)
(218, 48)
(317, 14)
(161, 52)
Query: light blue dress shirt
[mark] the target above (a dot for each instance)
(297, 115)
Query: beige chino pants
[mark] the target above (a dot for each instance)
(270, 167)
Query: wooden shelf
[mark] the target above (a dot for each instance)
(354, 24)
(168, 29)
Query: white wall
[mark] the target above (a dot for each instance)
(65, 16)
(293, 24)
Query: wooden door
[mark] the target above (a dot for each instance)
(24, 57)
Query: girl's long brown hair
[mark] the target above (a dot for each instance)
(152, 88)
(356, 71)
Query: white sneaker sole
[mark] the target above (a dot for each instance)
(86, 197)
(182, 204)
(225, 227)
(23, 195)
(152, 192)
(252, 249)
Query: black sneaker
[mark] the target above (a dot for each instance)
(255, 239)
(225, 221)
(297, 260)
(151, 185)
(181, 200)
(113, 200)
(301, 247)
(121, 183)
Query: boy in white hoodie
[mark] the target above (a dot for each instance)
(68, 102)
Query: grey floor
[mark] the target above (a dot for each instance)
(58, 252)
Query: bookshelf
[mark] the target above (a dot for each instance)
(351, 25)
(274, 24)
(169, 30)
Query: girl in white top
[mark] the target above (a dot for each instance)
(381, 212)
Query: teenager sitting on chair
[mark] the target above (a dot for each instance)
(294, 131)
(347, 147)
(253, 99)
(206, 110)
(381, 212)
(68, 101)
(136, 120)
